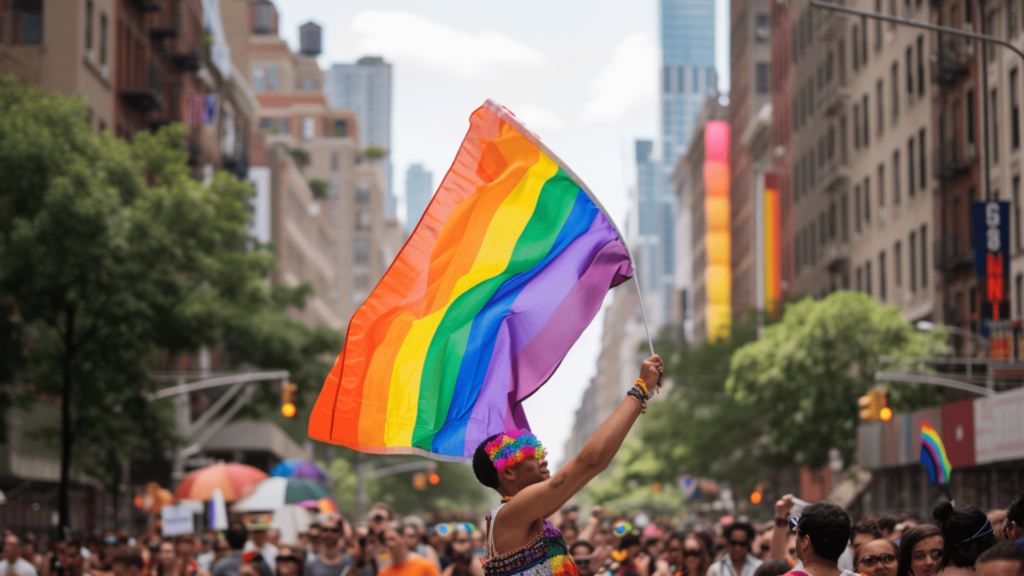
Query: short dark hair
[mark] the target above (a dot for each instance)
(629, 540)
(828, 526)
(888, 523)
(236, 535)
(1005, 551)
(963, 534)
(584, 543)
(746, 528)
(867, 526)
(129, 557)
(910, 539)
(1015, 511)
(483, 468)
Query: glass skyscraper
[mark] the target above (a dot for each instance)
(687, 78)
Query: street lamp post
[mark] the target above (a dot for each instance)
(926, 326)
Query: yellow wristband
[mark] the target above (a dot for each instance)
(640, 382)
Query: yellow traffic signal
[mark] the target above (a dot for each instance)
(419, 481)
(288, 399)
(875, 405)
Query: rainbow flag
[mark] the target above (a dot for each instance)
(509, 263)
(933, 455)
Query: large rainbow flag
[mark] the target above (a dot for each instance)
(509, 263)
(933, 455)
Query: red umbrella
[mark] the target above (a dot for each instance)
(234, 480)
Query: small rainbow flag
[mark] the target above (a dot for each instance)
(933, 455)
(510, 262)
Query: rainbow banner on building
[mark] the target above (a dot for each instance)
(772, 247)
(510, 262)
(717, 235)
(933, 455)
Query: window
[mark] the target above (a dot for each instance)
(334, 161)
(1016, 213)
(856, 126)
(810, 97)
(807, 248)
(257, 78)
(309, 84)
(910, 75)
(810, 167)
(28, 21)
(856, 209)
(867, 277)
(924, 256)
(103, 40)
(844, 218)
(881, 276)
(796, 253)
(812, 238)
(362, 251)
(822, 230)
(1019, 282)
(896, 178)
(867, 200)
(855, 42)
(282, 126)
(878, 26)
(362, 193)
(910, 164)
(895, 81)
(88, 26)
(922, 177)
(363, 220)
(1014, 111)
(761, 27)
(1011, 20)
(881, 186)
(920, 65)
(271, 78)
(266, 124)
(913, 262)
(897, 251)
(339, 128)
(832, 220)
(879, 97)
(860, 280)
(864, 41)
(970, 119)
(308, 128)
(994, 107)
(990, 28)
(763, 78)
(864, 99)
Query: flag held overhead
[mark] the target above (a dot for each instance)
(508, 265)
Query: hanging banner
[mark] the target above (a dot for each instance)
(991, 238)
(717, 240)
(772, 247)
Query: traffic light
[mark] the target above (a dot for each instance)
(755, 497)
(288, 399)
(419, 481)
(875, 405)
(432, 475)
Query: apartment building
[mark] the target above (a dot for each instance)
(861, 121)
(781, 36)
(749, 91)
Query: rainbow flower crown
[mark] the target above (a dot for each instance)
(513, 447)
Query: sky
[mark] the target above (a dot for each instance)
(582, 74)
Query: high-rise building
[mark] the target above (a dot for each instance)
(365, 87)
(687, 78)
(646, 242)
(419, 187)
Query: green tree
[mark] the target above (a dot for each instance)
(110, 253)
(805, 375)
(374, 152)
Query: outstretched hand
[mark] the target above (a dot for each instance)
(652, 370)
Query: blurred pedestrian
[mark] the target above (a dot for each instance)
(582, 553)
(774, 567)
(738, 560)
(920, 551)
(403, 563)
(411, 533)
(127, 562)
(864, 531)
(822, 534)
(363, 551)
(1013, 531)
(1004, 559)
(13, 564)
(332, 559)
(259, 540)
(464, 561)
(877, 558)
(231, 563)
(966, 533)
(290, 561)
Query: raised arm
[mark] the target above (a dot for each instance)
(544, 498)
(781, 533)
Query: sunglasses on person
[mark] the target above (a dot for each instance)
(289, 558)
(336, 530)
(691, 553)
(378, 518)
(872, 561)
(743, 543)
(461, 541)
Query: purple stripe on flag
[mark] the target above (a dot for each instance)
(538, 335)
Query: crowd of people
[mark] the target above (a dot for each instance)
(819, 540)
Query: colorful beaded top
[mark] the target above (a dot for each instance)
(545, 555)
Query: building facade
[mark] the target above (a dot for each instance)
(365, 87)
(419, 187)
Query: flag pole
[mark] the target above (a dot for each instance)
(643, 312)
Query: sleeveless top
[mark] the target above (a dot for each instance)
(544, 555)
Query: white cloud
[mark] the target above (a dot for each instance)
(627, 84)
(402, 35)
(540, 119)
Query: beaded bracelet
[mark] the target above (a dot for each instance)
(648, 394)
(635, 393)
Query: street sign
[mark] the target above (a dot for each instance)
(991, 238)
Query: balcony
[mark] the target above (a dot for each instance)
(162, 33)
(950, 65)
(949, 161)
(147, 5)
(834, 175)
(836, 256)
(831, 24)
(834, 98)
(952, 253)
(146, 98)
(238, 165)
(185, 61)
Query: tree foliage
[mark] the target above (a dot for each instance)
(806, 374)
(109, 254)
